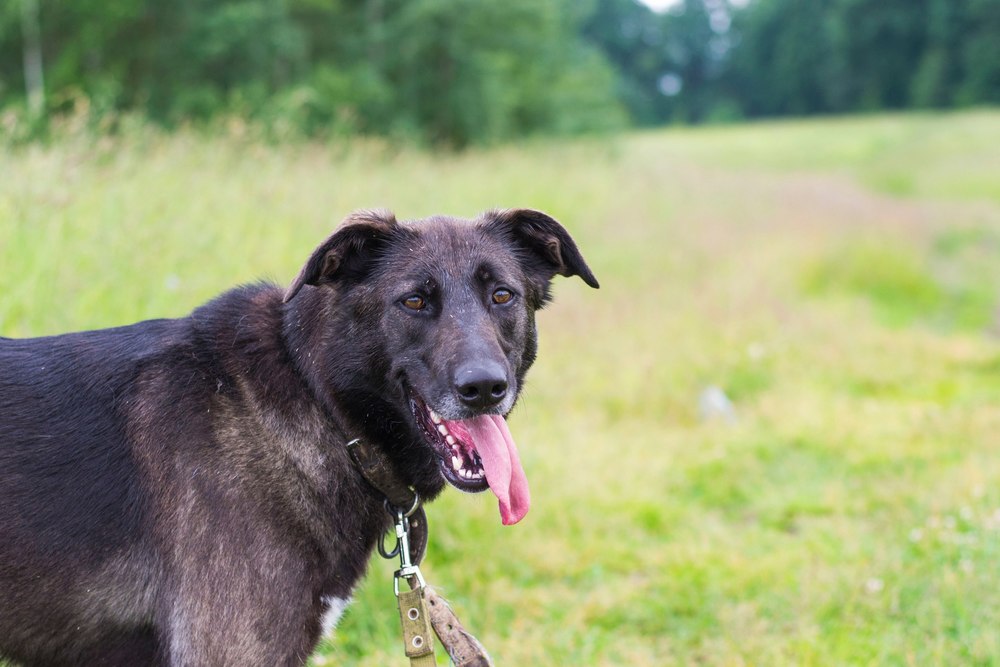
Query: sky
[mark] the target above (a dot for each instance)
(660, 5)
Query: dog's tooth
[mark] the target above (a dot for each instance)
(435, 417)
(442, 429)
(450, 439)
(456, 462)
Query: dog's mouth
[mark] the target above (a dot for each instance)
(461, 464)
(477, 454)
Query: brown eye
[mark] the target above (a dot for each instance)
(502, 296)
(414, 302)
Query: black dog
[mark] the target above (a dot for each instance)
(177, 492)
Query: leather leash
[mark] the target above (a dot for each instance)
(421, 609)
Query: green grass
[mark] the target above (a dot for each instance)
(836, 278)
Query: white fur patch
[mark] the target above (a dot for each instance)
(334, 610)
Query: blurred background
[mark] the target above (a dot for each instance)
(770, 438)
(465, 72)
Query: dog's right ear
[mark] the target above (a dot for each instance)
(349, 247)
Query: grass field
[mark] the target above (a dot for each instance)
(836, 278)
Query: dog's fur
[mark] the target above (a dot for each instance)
(177, 492)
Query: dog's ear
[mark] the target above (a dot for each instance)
(550, 250)
(346, 250)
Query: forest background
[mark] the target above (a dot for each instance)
(459, 72)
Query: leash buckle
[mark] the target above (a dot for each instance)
(412, 571)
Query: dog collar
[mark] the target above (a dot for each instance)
(375, 467)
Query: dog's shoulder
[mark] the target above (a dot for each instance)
(238, 336)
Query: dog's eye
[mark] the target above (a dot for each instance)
(502, 296)
(415, 302)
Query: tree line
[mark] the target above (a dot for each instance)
(456, 72)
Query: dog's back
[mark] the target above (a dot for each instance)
(71, 502)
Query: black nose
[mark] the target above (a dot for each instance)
(481, 385)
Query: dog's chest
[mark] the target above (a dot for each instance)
(333, 609)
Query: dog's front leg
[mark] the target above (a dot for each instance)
(242, 621)
(240, 596)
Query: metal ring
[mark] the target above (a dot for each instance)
(416, 504)
(392, 509)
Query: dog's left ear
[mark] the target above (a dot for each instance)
(550, 248)
(346, 250)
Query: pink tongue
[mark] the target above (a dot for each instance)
(504, 474)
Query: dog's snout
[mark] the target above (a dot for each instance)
(481, 385)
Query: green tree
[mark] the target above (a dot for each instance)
(980, 53)
(940, 70)
(442, 71)
(469, 71)
(878, 43)
(633, 39)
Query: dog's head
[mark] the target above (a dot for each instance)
(430, 326)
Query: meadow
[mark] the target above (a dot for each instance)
(835, 279)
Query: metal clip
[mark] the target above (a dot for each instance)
(406, 567)
(407, 570)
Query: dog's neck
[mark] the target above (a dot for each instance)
(323, 333)
(311, 328)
